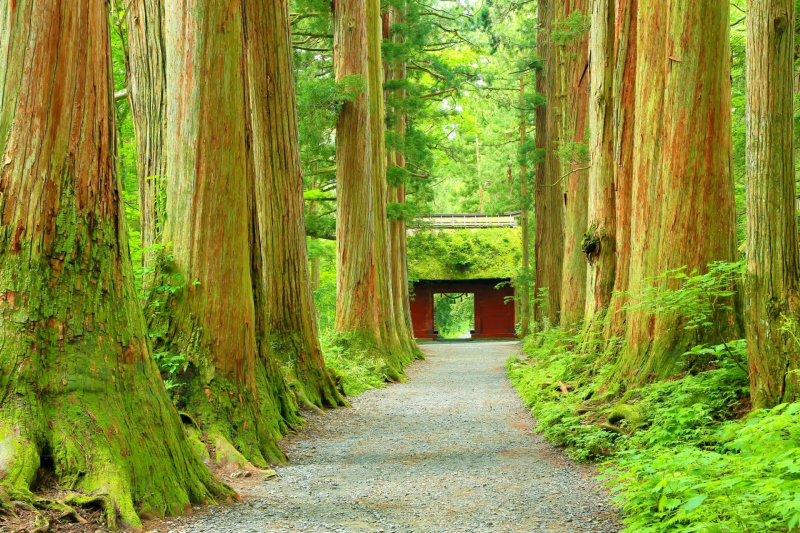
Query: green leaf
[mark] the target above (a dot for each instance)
(695, 502)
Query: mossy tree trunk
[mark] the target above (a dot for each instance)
(624, 109)
(214, 318)
(364, 304)
(387, 321)
(147, 84)
(575, 75)
(290, 314)
(548, 199)
(682, 199)
(78, 380)
(772, 288)
(599, 243)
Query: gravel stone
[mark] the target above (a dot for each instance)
(451, 450)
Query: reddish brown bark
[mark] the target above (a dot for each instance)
(549, 201)
(682, 199)
(600, 239)
(575, 58)
(624, 95)
(290, 315)
(79, 382)
(216, 321)
(773, 267)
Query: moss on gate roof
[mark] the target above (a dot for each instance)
(464, 254)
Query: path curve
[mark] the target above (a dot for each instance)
(451, 450)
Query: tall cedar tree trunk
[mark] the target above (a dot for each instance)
(599, 244)
(384, 304)
(525, 286)
(78, 383)
(290, 314)
(575, 76)
(231, 387)
(360, 308)
(397, 194)
(147, 83)
(683, 200)
(773, 271)
(624, 108)
(548, 199)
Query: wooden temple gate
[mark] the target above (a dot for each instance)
(495, 315)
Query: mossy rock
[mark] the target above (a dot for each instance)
(631, 414)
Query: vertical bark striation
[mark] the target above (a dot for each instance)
(355, 227)
(215, 317)
(772, 282)
(525, 288)
(624, 96)
(78, 381)
(548, 200)
(600, 239)
(397, 228)
(682, 198)
(575, 97)
(280, 222)
(147, 81)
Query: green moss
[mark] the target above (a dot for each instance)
(464, 254)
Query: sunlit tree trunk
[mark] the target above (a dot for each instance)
(682, 200)
(360, 306)
(576, 185)
(548, 200)
(290, 316)
(147, 80)
(78, 380)
(772, 287)
(624, 104)
(599, 244)
(214, 318)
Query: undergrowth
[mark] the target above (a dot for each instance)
(682, 455)
(357, 367)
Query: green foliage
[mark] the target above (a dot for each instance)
(464, 254)
(695, 297)
(571, 28)
(360, 370)
(454, 318)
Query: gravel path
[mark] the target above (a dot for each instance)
(452, 450)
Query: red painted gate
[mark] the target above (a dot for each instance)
(495, 315)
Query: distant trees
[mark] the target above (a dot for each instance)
(79, 383)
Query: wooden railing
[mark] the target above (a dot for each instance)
(467, 220)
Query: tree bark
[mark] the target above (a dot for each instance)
(397, 194)
(360, 305)
(772, 287)
(232, 387)
(525, 286)
(79, 382)
(599, 245)
(624, 109)
(291, 320)
(548, 199)
(147, 82)
(575, 73)
(682, 198)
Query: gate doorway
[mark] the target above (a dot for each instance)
(494, 313)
